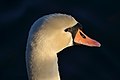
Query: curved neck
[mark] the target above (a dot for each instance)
(41, 63)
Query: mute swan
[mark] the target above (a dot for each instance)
(48, 36)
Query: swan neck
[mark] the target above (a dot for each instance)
(42, 64)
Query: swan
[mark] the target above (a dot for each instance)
(49, 35)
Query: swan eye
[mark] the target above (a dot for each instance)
(68, 30)
(82, 35)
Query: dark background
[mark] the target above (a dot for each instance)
(100, 20)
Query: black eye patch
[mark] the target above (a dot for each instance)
(73, 30)
(78, 25)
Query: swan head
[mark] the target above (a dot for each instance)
(49, 35)
(60, 31)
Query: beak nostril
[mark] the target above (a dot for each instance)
(82, 35)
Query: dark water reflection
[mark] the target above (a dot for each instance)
(100, 20)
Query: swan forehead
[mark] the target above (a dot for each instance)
(61, 20)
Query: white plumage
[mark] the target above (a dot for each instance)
(47, 37)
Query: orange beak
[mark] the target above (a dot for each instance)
(81, 38)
